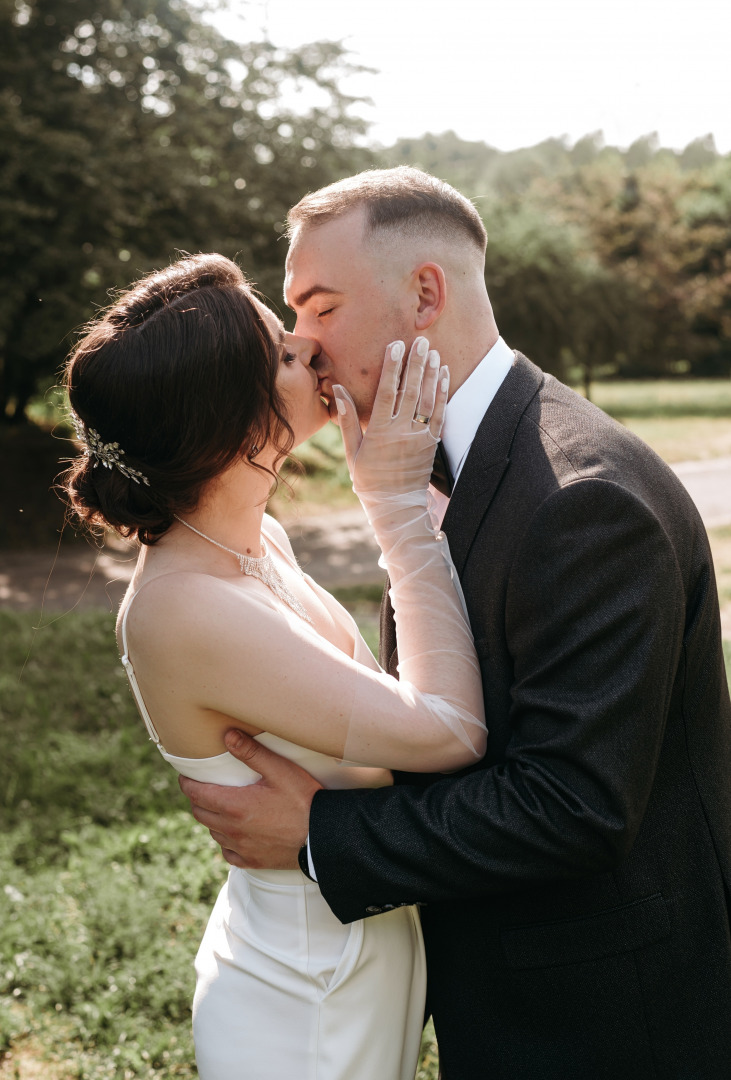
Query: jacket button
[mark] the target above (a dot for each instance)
(388, 907)
(372, 909)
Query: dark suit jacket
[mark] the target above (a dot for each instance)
(575, 883)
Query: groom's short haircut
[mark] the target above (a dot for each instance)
(403, 199)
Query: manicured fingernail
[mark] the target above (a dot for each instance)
(434, 358)
(233, 739)
(397, 351)
(339, 399)
(422, 346)
(445, 384)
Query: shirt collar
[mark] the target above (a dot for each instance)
(468, 405)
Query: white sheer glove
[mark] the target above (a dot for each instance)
(396, 454)
(390, 466)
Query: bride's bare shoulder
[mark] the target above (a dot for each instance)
(185, 604)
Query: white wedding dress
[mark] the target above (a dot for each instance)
(284, 990)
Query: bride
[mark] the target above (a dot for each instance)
(187, 395)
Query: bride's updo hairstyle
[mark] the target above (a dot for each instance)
(180, 372)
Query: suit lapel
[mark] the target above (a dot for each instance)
(487, 460)
(488, 457)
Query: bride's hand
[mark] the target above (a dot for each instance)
(396, 453)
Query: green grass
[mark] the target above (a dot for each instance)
(107, 881)
(664, 397)
(682, 420)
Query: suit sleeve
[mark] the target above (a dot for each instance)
(594, 624)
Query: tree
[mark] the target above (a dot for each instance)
(613, 261)
(706, 213)
(665, 232)
(130, 129)
(551, 296)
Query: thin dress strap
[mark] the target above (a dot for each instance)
(133, 682)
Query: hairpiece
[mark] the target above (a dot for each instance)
(109, 454)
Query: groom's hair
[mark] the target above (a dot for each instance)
(403, 199)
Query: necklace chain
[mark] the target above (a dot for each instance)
(262, 568)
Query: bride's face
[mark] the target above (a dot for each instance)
(297, 380)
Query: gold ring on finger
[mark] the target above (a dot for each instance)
(421, 419)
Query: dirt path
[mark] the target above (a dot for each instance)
(709, 483)
(336, 549)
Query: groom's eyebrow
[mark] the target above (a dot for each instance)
(314, 290)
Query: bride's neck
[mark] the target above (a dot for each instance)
(232, 508)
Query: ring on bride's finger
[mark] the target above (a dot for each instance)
(421, 419)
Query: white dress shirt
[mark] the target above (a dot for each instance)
(465, 411)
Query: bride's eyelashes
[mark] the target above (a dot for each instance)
(328, 311)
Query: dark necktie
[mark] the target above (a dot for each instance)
(441, 477)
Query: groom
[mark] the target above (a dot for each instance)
(575, 884)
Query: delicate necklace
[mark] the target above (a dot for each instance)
(262, 568)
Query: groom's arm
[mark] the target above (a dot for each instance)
(594, 622)
(262, 825)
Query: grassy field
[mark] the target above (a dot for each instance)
(664, 397)
(681, 420)
(107, 881)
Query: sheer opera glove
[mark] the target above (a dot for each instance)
(390, 466)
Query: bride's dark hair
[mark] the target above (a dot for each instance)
(180, 371)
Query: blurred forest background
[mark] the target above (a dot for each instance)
(130, 131)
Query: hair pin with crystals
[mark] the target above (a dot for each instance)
(109, 454)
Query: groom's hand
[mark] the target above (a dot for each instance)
(265, 824)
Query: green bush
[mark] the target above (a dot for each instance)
(75, 750)
(107, 879)
(104, 942)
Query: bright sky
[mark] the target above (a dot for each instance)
(514, 72)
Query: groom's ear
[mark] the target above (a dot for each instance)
(430, 286)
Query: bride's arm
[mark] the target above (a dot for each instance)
(242, 658)
(391, 465)
(247, 661)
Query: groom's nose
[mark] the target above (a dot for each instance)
(314, 351)
(306, 349)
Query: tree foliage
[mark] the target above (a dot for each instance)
(129, 130)
(601, 261)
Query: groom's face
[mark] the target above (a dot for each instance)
(350, 301)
